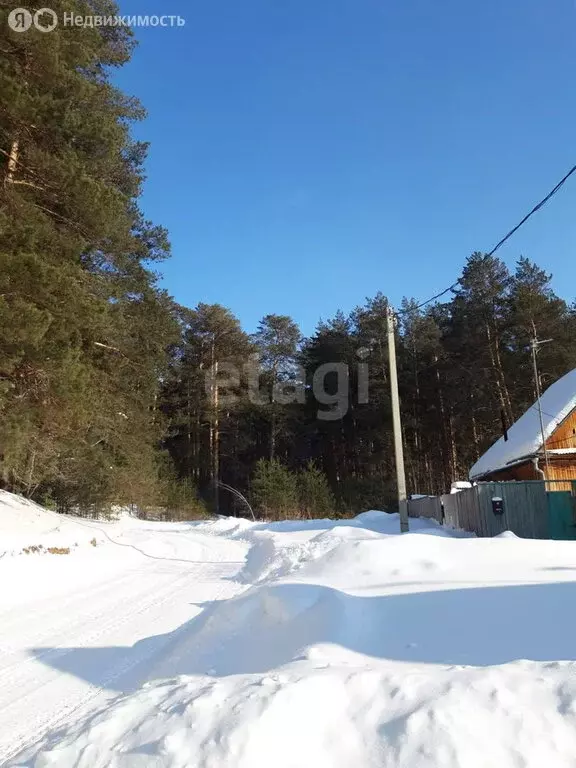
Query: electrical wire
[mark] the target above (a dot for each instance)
(534, 210)
(430, 300)
(507, 237)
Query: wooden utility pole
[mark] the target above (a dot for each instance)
(397, 423)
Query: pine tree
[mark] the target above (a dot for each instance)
(316, 498)
(277, 340)
(535, 310)
(212, 350)
(275, 490)
(78, 304)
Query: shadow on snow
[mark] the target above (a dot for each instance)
(269, 626)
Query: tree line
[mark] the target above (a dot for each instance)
(112, 393)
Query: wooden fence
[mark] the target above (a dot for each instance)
(427, 506)
(525, 509)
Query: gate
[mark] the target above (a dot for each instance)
(562, 514)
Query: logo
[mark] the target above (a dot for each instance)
(45, 20)
(20, 20)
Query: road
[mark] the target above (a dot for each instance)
(67, 648)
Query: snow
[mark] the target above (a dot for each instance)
(24, 524)
(322, 643)
(525, 436)
(460, 485)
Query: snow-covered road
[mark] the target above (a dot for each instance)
(232, 644)
(90, 624)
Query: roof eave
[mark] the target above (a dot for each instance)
(522, 460)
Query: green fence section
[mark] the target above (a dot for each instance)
(562, 514)
(531, 509)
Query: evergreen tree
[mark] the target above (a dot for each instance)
(277, 340)
(111, 393)
(275, 490)
(535, 311)
(202, 393)
(83, 326)
(316, 498)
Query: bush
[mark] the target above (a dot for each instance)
(362, 494)
(180, 501)
(316, 498)
(275, 490)
(156, 493)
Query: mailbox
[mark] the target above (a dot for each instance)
(498, 505)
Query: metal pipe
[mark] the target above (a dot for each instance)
(536, 462)
(238, 495)
(535, 346)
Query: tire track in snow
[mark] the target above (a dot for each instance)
(66, 605)
(42, 725)
(8, 681)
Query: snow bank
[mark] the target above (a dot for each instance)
(25, 527)
(223, 526)
(353, 715)
(304, 541)
(268, 558)
(354, 646)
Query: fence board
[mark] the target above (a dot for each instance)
(429, 507)
(525, 509)
(461, 510)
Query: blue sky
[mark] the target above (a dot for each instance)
(306, 154)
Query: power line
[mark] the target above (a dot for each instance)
(534, 210)
(507, 237)
(430, 300)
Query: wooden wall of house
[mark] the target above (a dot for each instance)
(564, 436)
(563, 468)
(524, 471)
(560, 469)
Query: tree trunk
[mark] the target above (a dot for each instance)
(273, 433)
(446, 428)
(13, 160)
(501, 388)
(273, 415)
(216, 471)
(213, 433)
(475, 438)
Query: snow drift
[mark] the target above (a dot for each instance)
(345, 644)
(337, 717)
(26, 527)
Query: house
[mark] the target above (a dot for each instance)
(522, 456)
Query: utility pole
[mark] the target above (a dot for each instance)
(535, 345)
(398, 448)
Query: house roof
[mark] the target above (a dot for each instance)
(525, 437)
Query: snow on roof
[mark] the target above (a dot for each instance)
(525, 437)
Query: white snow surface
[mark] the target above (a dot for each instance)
(525, 436)
(25, 525)
(232, 644)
